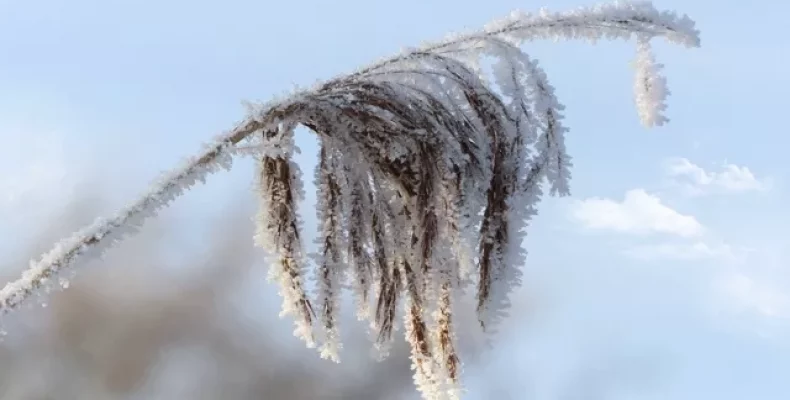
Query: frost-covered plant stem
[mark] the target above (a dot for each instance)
(96, 238)
(430, 172)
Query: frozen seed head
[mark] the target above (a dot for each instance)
(431, 168)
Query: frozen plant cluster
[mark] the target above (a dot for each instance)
(430, 170)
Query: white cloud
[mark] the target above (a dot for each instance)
(638, 213)
(730, 179)
(695, 251)
(746, 294)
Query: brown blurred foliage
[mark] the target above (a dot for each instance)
(162, 317)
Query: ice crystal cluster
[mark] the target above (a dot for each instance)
(431, 167)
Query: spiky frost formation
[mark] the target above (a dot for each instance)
(330, 242)
(650, 87)
(278, 228)
(430, 171)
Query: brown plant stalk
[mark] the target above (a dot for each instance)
(430, 170)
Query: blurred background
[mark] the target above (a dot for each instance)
(182, 310)
(166, 316)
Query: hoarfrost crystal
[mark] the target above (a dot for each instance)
(430, 171)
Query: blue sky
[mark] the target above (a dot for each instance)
(665, 275)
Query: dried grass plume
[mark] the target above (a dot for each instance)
(432, 163)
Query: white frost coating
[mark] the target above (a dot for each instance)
(617, 20)
(650, 87)
(328, 258)
(440, 168)
(277, 232)
(425, 368)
